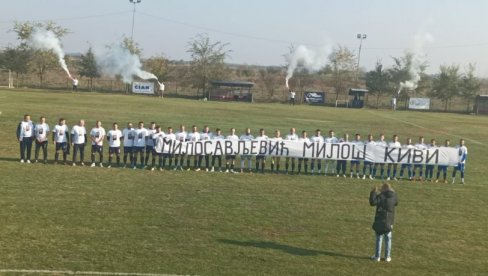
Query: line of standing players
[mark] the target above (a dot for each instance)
(139, 143)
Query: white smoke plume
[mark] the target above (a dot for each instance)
(47, 40)
(418, 59)
(312, 60)
(117, 60)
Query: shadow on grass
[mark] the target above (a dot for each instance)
(10, 159)
(288, 249)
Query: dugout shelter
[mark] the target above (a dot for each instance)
(356, 97)
(231, 91)
(481, 104)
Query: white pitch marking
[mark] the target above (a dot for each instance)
(69, 272)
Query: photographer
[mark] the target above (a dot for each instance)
(385, 202)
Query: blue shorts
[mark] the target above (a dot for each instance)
(97, 148)
(138, 149)
(112, 150)
(149, 149)
(128, 149)
(460, 167)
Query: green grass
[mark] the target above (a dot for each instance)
(94, 219)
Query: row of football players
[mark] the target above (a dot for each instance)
(139, 143)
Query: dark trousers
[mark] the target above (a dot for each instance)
(40, 145)
(341, 166)
(79, 148)
(26, 148)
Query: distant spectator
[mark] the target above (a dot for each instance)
(291, 96)
(75, 84)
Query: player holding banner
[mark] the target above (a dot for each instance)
(261, 158)
(317, 138)
(181, 136)
(443, 168)
(247, 136)
(420, 146)
(330, 162)
(230, 159)
(429, 169)
(218, 136)
(366, 164)
(393, 144)
(275, 160)
(168, 156)
(463, 154)
(303, 139)
(381, 143)
(292, 136)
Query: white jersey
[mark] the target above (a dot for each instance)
(78, 135)
(170, 136)
(358, 143)
(394, 145)
(129, 135)
(301, 139)
(204, 136)
(26, 129)
(42, 132)
(181, 136)
(343, 140)
(218, 137)
(276, 139)
(140, 135)
(60, 133)
(150, 141)
(156, 136)
(193, 136)
(331, 140)
(232, 137)
(246, 137)
(462, 153)
(382, 143)
(98, 133)
(370, 143)
(421, 146)
(263, 137)
(114, 138)
(291, 137)
(317, 139)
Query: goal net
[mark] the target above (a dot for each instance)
(6, 78)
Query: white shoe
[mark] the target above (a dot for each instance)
(21, 160)
(220, 170)
(135, 167)
(364, 176)
(358, 177)
(83, 164)
(109, 166)
(232, 171)
(206, 169)
(388, 179)
(101, 165)
(197, 169)
(152, 169)
(28, 162)
(319, 172)
(371, 177)
(462, 180)
(375, 259)
(388, 259)
(337, 175)
(344, 175)
(92, 165)
(212, 170)
(161, 169)
(453, 181)
(226, 171)
(74, 165)
(394, 178)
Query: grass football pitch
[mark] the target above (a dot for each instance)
(63, 218)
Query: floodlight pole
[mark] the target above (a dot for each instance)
(360, 37)
(133, 16)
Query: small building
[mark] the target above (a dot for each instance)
(231, 91)
(356, 97)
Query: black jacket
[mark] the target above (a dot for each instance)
(385, 203)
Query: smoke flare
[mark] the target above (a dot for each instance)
(312, 60)
(47, 40)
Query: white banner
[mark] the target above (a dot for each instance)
(419, 103)
(342, 151)
(143, 87)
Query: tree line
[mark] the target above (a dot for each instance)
(208, 62)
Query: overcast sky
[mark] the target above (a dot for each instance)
(260, 31)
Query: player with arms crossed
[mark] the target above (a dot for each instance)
(78, 141)
(113, 137)
(97, 135)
